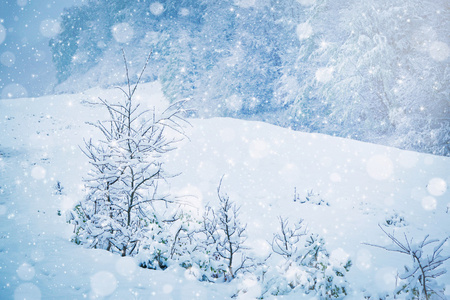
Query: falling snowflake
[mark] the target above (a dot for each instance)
(304, 31)
(38, 172)
(429, 203)
(306, 2)
(258, 149)
(8, 58)
(324, 75)
(363, 259)
(123, 32)
(156, 8)
(2, 33)
(184, 12)
(245, 3)
(103, 283)
(50, 28)
(126, 266)
(439, 51)
(234, 103)
(27, 291)
(26, 272)
(14, 90)
(437, 186)
(380, 167)
(22, 3)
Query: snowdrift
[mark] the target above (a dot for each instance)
(269, 171)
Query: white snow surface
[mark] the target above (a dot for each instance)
(364, 184)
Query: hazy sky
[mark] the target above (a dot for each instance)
(26, 26)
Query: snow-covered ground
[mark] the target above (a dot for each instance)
(264, 167)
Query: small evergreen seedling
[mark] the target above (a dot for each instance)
(307, 264)
(223, 237)
(420, 278)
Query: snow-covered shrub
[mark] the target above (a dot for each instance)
(419, 280)
(154, 251)
(396, 220)
(310, 197)
(307, 265)
(119, 213)
(220, 252)
(205, 256)
(169, 243)
(59, 188)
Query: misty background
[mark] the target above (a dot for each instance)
(26, 26)
(373, 71)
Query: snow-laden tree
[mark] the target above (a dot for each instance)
(85, 32)
(307, 265)
(120, 212)
(170, 243)
(221, 241)
(224, 55)
(93, 34)
(376, 72)
(419, 280)
(229, 65)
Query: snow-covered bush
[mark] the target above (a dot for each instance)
(306, 265)
(220, 252)
(198, 250)
(311, 197)
(154, 251)
(395, 219)
(171, 243)
(419, 280)
(122, 211)
(59, 188)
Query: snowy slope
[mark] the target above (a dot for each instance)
(363, 184)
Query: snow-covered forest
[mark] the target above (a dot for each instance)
(248, 149)
(375, 71)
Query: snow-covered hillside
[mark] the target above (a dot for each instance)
(265, 168)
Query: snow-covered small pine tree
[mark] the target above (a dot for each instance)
(306, 264)
(286, 242)
(172, 242)
(204, 261)
(119, 213)
(222, 238)
(420, 278)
